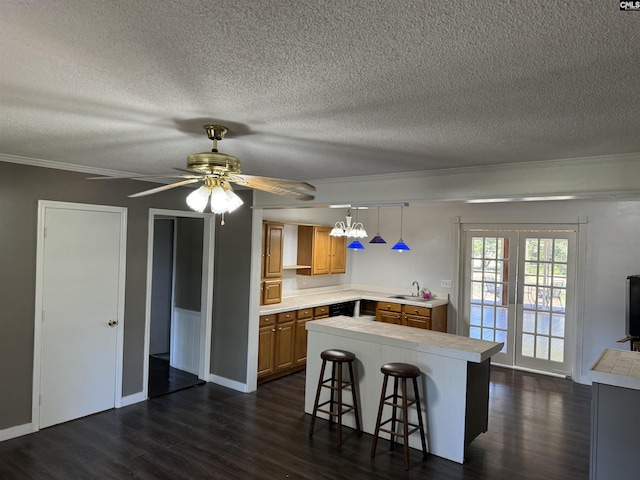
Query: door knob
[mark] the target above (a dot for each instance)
(113, 323)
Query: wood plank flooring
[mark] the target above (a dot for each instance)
(538, 429)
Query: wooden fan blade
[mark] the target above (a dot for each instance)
(133, 177)
(165, 187)
(250, 180)
(271, 187)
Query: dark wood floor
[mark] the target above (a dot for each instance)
(538, 429)
(163, 378)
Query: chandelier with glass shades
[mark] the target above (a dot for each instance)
(347, 229)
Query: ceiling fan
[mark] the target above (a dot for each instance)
(216, 171)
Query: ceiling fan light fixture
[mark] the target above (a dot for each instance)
(234, 200)
(198, 199)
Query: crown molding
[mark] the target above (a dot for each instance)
(38, 162)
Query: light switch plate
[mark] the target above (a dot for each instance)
(445, 283)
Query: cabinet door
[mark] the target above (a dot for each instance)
(271, 292)
(321, 264)
(417, 321)
(301, 342)
(266, 350)
(338, 259)
(274, 238)
(439, 319)
(285, 336)
(389, 317)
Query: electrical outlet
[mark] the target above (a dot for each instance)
(445, 283)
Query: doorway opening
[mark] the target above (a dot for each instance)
(179, 302)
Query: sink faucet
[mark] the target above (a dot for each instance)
(417, 285)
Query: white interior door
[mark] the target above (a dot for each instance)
(81, 294)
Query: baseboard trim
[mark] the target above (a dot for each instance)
(17, 431)
(131, 399)
(232, 384)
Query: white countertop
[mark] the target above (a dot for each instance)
(437, 343)
(620, 368)
(345, 295)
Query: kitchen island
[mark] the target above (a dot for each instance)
(454, 387)
(615, 415)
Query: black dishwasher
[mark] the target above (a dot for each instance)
(345, 308)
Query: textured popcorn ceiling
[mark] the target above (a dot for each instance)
(318, 89)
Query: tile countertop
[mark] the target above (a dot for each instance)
(338, 296)
(619, 368)
(436, 343)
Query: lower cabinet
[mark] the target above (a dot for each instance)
(412, 316)
(282, 344)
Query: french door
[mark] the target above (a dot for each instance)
(518, 290)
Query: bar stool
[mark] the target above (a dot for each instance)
(336, 383)
(400, 371)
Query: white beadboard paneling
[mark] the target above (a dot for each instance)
(185, 340)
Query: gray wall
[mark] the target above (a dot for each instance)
(162, 286)
(21, 187)
(189, 263)
(232, 280)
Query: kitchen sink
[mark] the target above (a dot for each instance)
(410, 297)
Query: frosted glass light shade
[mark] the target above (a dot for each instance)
(197, 200)
(234, 201)
(219, 200)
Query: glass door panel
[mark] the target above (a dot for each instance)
(545, 263)
(490, 287)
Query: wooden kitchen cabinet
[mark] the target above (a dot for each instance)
(418, 317)
(271, 292)
(285, 345)
(325, 254)
(266, 345)
(413, 316)
(389, 313)
(272, 253)
(300, 351)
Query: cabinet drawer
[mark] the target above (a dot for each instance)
(422, 311)
(305, 313)
(417, 321)
(390, 307)
(266, 320)
(286, 316)
(322, 311)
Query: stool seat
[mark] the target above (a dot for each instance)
(400, 370)
(336, 383)
(337, 356)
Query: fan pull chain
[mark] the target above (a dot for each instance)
(222, 220)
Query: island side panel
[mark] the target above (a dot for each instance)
(443, 385)
(477, 417)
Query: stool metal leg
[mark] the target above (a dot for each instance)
(315, 405)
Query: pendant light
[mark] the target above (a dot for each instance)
(400, 246)
(378, 238)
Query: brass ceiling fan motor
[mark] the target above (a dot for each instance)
(214, 162)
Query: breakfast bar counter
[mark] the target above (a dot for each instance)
(454, 386)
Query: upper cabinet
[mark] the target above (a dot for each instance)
(323, 253)
(272, 253)
(273, 239)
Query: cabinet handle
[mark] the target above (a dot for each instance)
(280, 329)
(273, 330)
